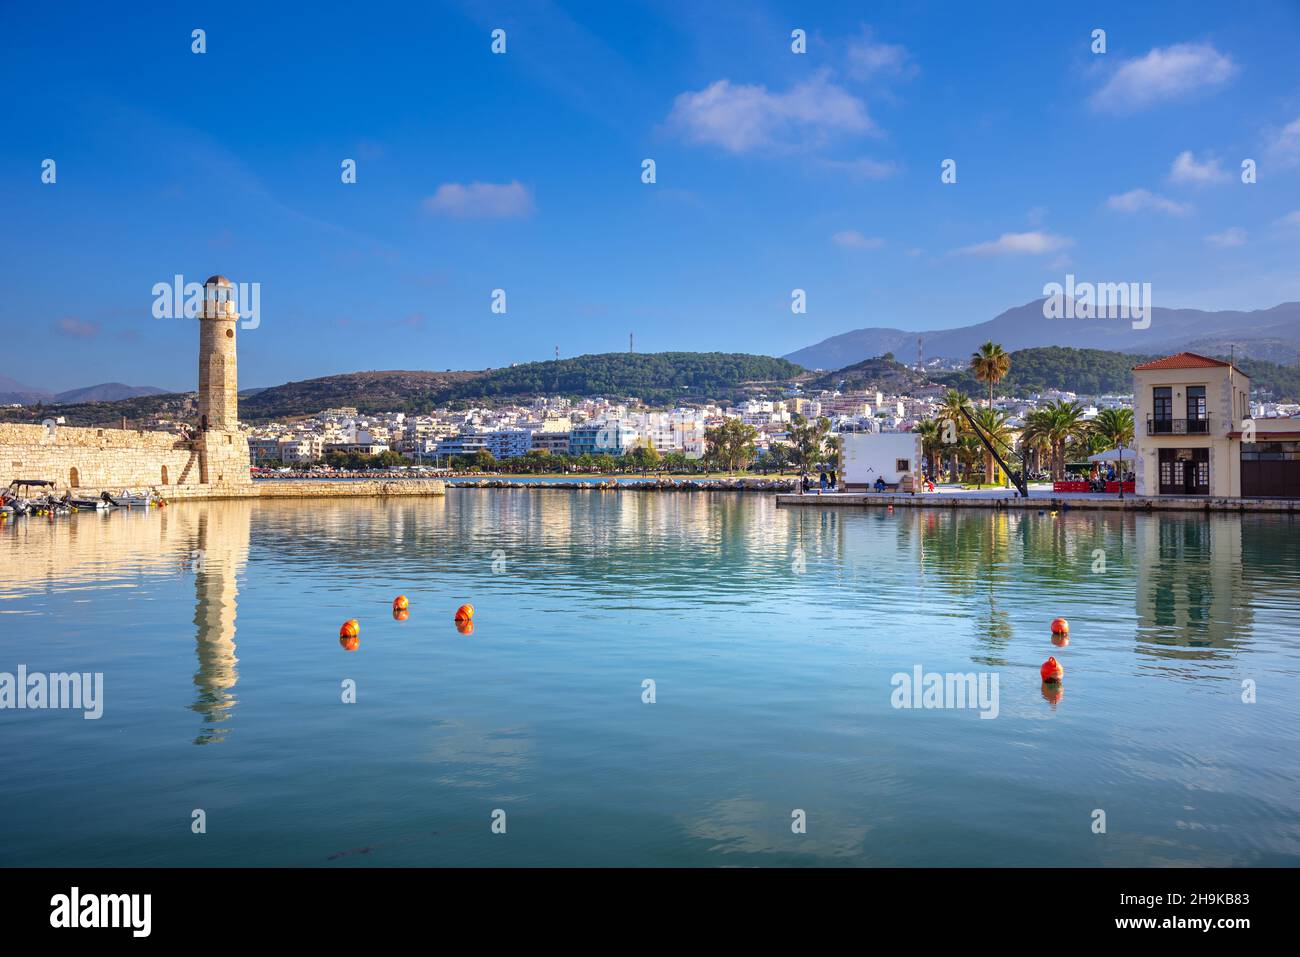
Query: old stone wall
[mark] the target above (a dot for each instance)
(114, 459)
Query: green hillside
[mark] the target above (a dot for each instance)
(883, 372)
(1089, 371)
(1096, 371)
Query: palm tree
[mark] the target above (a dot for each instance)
(1066, 423)
(993, 423)
(931, 442)
(990, 364)
(1035, 440)
(952, 423)
(1116, 426)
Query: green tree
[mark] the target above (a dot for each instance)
(807, 441)
(1116, 426)
(990, 364)
(953, 425)
(731, 445)
(931, 443)
(993, 423)
(645, 457)
(1065, 422)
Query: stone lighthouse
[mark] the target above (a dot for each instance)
(223, 449)
(218, 365)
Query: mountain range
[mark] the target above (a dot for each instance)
(12, 391)
(1272, 334)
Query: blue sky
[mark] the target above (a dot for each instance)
(522, 171)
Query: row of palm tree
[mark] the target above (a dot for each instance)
(1052, 434)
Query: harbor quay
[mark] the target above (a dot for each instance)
(1039, 501)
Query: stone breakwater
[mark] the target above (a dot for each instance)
(649, 485)
(310, 489)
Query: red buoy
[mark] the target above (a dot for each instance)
(350, 628)
(400, 603)
(1051, 670)
(465, 613)
(1060, 626)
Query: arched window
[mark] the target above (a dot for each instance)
(74, 479)
(164, 475)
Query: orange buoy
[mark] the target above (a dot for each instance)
(1051, 670)
(400, 614)
(1060, 639)
(1060, 626)
(400, 603)
(465, 626)
(465, 613)
(349, 644)
(350, 628)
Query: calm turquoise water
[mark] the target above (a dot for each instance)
(771, 635)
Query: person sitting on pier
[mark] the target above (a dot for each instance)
(880, 483)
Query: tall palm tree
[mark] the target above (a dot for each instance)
(990, 363)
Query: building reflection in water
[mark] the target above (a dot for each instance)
(219, 552)
(1192, 598)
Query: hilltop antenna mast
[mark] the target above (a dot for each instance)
(920, 354)
(631, 342)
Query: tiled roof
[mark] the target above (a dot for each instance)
(1183, 360)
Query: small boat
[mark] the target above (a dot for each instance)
(85, 504)
(131, 499)
(26, 496)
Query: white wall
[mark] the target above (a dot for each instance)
(868, 456)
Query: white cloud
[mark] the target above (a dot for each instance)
(868, 58)
(1165, 73)
(481, 200)
(740, 117)
(852, 239)
(1290, 219)
(1013, 244)
(1187, 170)
(1232, 236)
(1140, 200)
(1285, 148)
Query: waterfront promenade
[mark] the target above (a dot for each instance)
(1039, 499)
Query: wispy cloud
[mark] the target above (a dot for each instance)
(1230, 237)
(868, 58)
(1142, 200)
(742, 117)
(1187, 170)
(852, 239)
(76, 328)
(1284, 150)
(1163, 74)
(1018, 244)
(510, 200)
(1291, 219)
